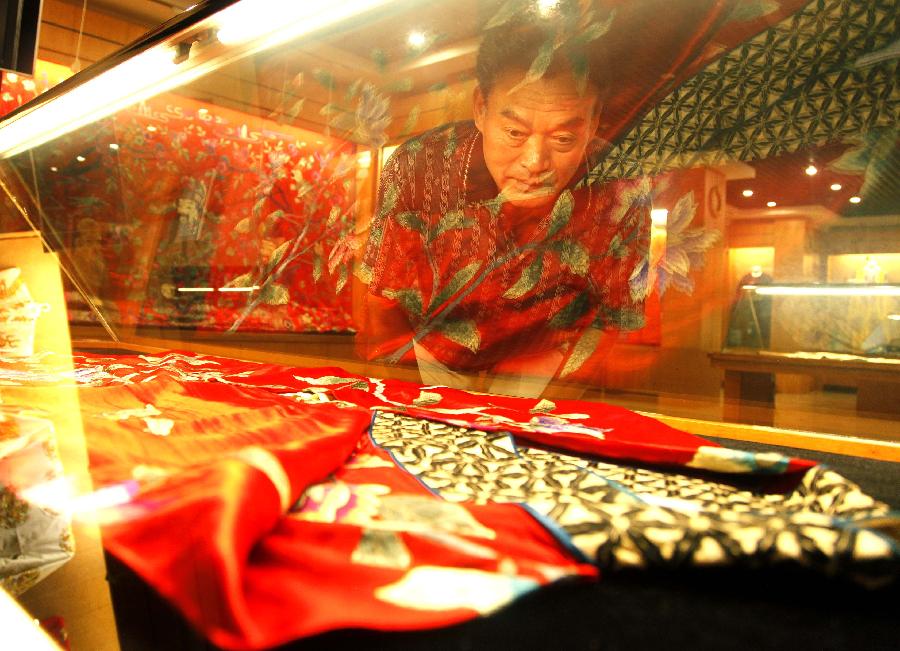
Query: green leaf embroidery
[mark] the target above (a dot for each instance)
(582, 350)
(562, 212)
(277, 255)
(244, 280)
(333, 215)
(388, 201)
(365, 273)
(353, 89)
(296, 108)
(330, 108)
(342, 280)
(324, 78)
(595, 30)
(452, 143)
(539, 65)
(427, 399)
(411, 120)
(456, 283)
(852, 161)
(510, 9)
(455, 219)
(568, 315)
(274, 294)
(544, 406)
(623, 318)
(579, 65)
(527, 281)
(409, 299)
(465, 333)
(410, 220)
(751, 9)
(379, 58)
(617, 247)
(317, 267)
(574, 256)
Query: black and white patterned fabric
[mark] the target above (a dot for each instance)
(624, 516)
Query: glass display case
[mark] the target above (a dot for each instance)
(441, 297)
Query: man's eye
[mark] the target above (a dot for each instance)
(515, 133)
(565, 141)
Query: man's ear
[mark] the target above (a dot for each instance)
(479, 107)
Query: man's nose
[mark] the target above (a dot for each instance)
(535, 157)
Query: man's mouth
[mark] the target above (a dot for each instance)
(539, 187)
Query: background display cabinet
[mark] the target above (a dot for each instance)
(269, 256)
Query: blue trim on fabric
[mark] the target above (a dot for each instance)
(556, 531)
(845, 523)
(399, 464)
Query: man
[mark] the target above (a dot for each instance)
(483, 256)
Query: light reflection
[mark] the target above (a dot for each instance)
(59, 495)
(787, 290)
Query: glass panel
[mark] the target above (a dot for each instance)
(626, 227)
(687, 208)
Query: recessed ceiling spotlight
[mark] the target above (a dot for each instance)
(546, 7)
(54, 168)
(80, 158)
(855, 199)
(747, 193)
(114, 146)
(836, 186)
(416, 39)
(811, 170)
(771, 204)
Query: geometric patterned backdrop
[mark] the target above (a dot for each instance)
(828, 73)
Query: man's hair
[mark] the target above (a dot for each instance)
(513, 47)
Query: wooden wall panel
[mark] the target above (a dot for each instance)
(103, 34)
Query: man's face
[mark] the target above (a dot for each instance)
(535, 137)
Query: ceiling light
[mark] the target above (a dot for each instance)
(659, 216)
(771, 204)
(811, 170)
(416, 39)
(747, 193)
(114, 146)
(546, 7)
(855, 199)
(54, 168)
(836, 186)
(80, 158)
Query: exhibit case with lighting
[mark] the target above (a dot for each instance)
(355, 323)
